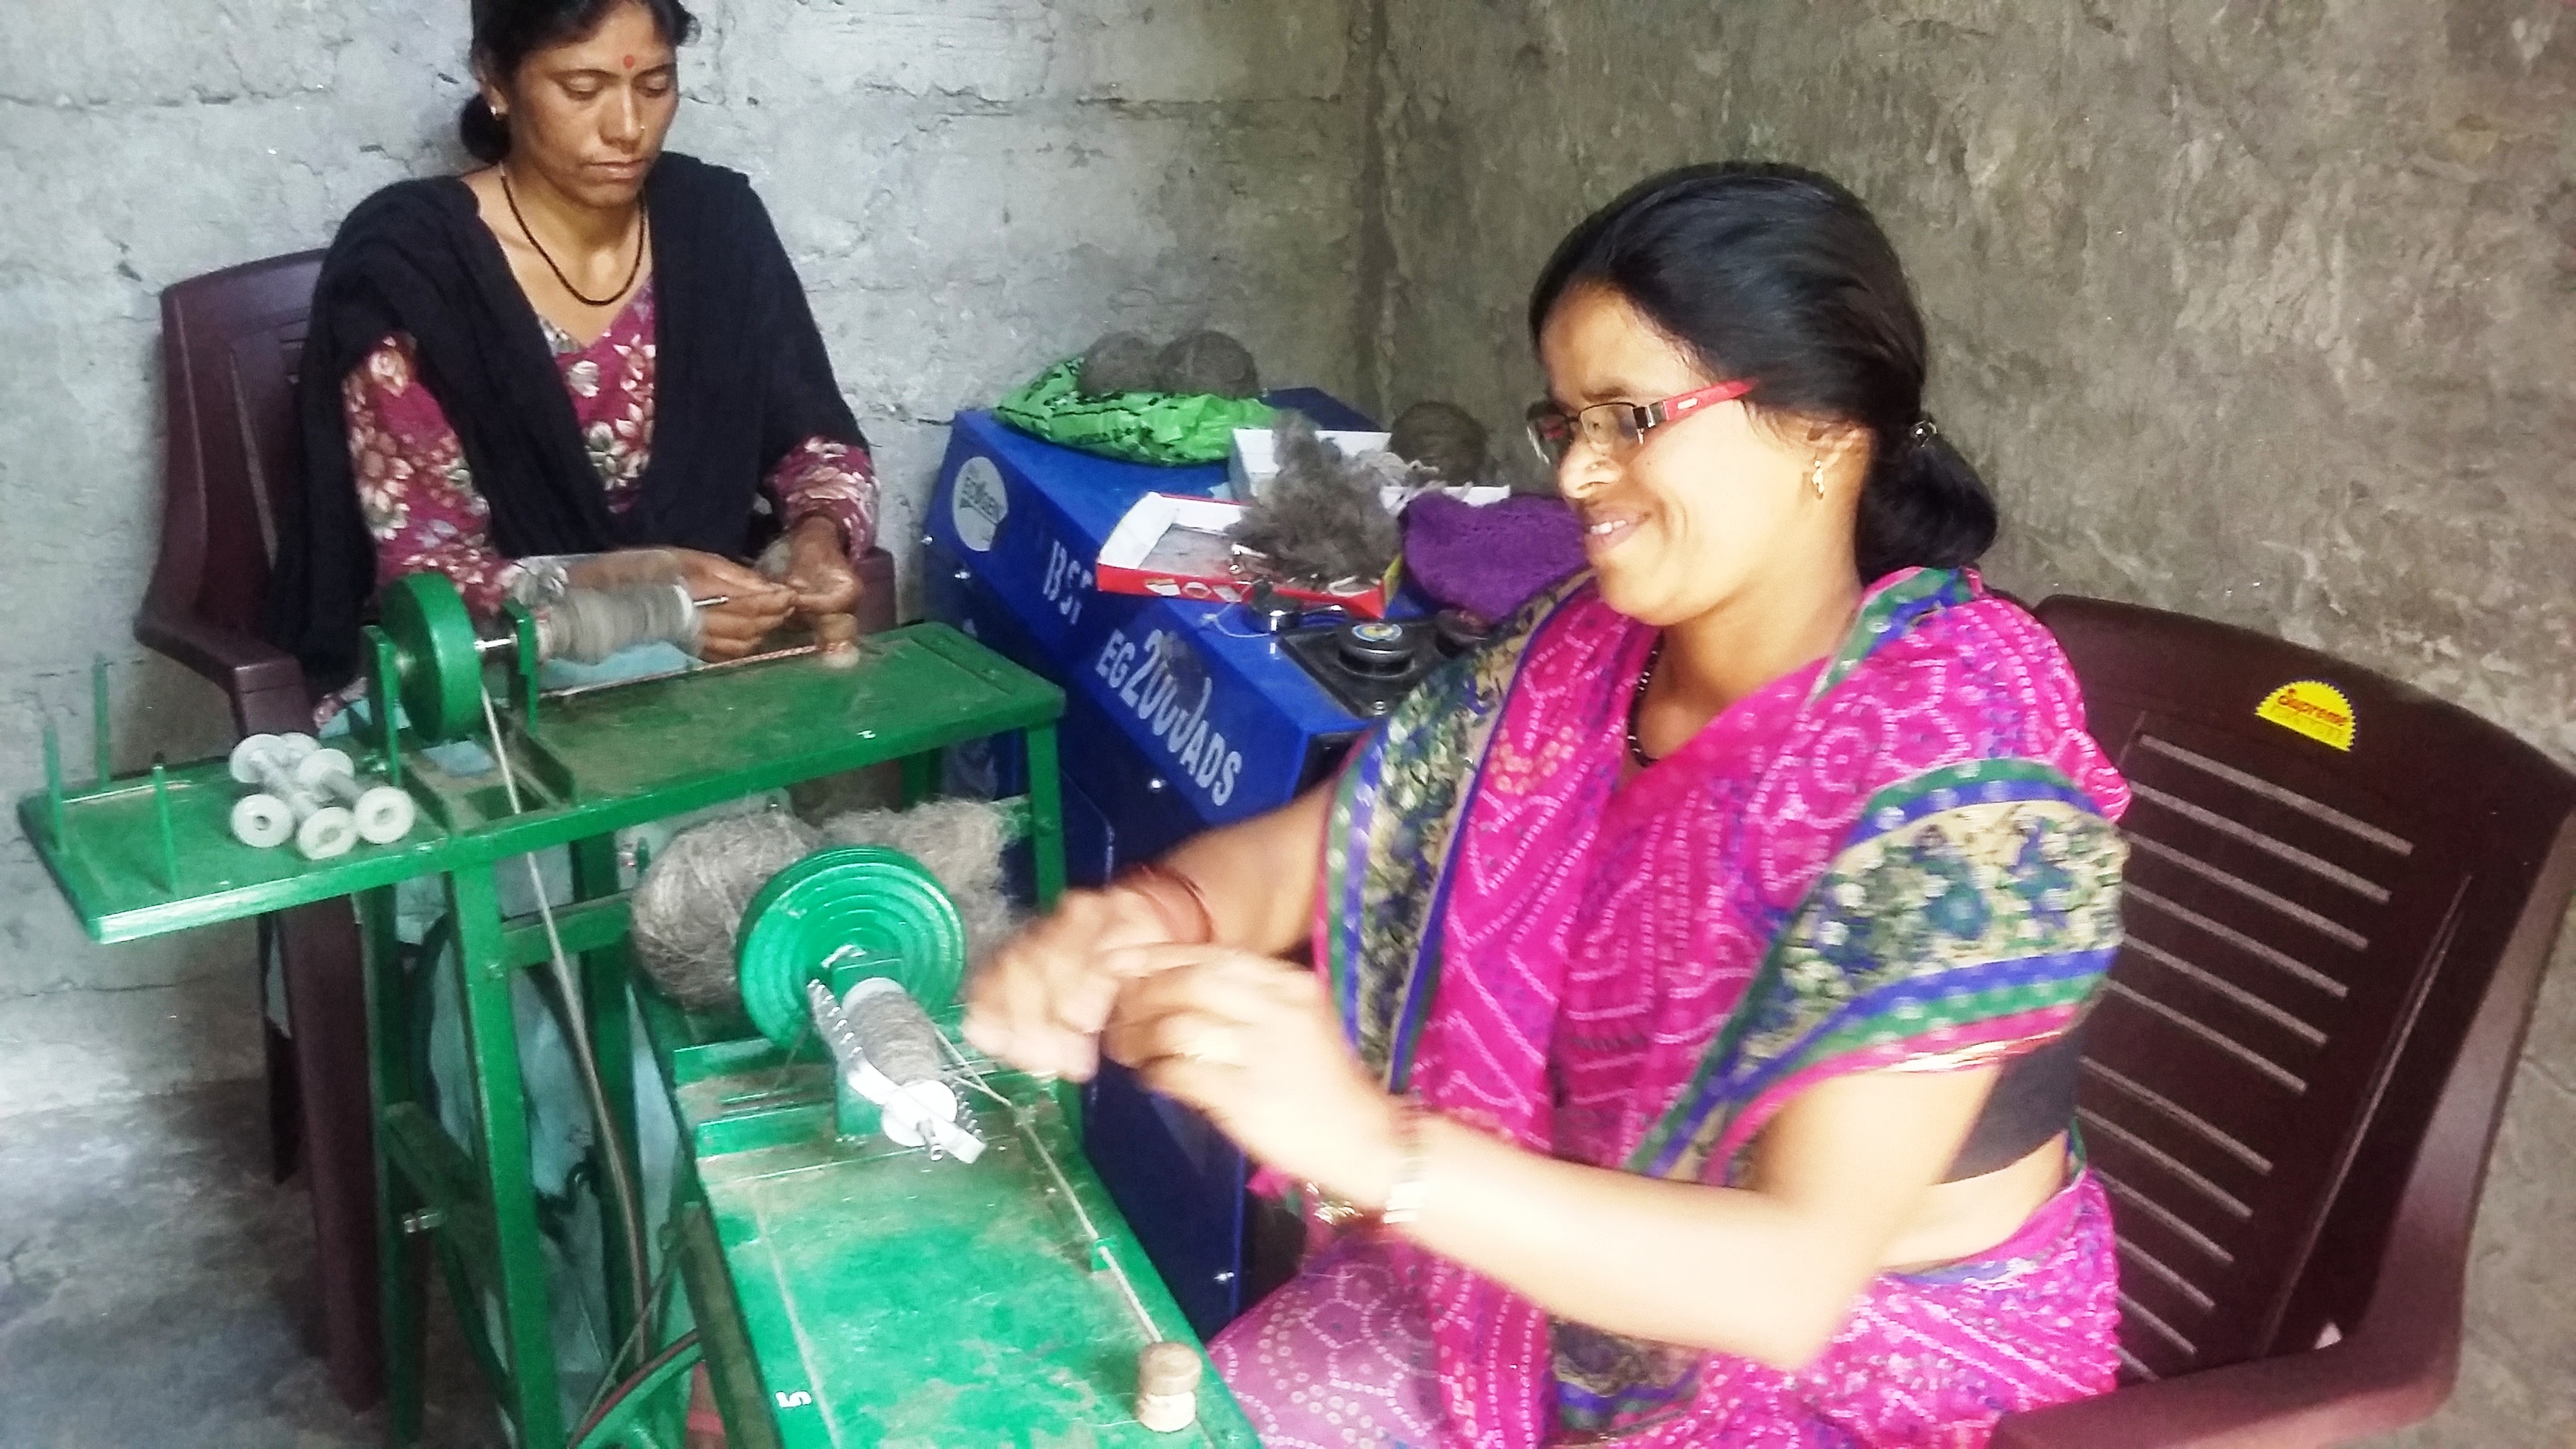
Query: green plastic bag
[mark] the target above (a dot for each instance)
(1171, 428)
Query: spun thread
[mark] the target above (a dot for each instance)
(586, 626)
(894, 1033)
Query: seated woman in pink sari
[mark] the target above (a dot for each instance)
(1686, 1056)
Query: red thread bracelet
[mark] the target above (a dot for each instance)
(1135, 877)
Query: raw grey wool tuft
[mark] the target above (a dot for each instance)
(689, 905)
(688, 908)
(1210, 362)
(1443, 440)
(1121, 362)
(1321, 520)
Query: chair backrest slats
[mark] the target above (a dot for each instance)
(232, 346)
(2300, 965)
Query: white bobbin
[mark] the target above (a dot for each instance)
(321, 831)
(263, 822)
(384, 814)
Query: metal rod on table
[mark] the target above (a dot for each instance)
(577, 690)
(1097, 1242)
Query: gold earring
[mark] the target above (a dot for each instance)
(1817, 478)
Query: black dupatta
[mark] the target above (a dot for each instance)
(741, 378)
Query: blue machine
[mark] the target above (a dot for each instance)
(1178, 716)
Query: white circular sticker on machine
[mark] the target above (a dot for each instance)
(979, 503)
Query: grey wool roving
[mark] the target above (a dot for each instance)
(1210, 362)
(688, 909)
(1442, 440)
(1200, 363)
(961, 843)
(1321, 519)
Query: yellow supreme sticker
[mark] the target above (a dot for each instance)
(2313, 708)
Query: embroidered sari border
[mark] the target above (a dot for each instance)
(2003, 1003)
(1889, 612)
(1437, 742)
(1809, 964)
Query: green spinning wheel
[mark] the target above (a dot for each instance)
(439, 670)
(851, 905)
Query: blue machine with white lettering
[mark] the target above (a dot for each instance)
(1178, 716)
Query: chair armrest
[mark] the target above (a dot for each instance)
(264, 682)
(2327, 1396)
(876, 610)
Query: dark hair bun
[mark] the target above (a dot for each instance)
(486, 136)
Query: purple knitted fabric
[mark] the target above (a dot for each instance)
(1489, 560)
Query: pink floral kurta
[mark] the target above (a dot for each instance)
(419, 498)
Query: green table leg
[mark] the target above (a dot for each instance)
(1046, 814)
(732, 1372)
(519, 1272)
(606, 979)
(389, 1035)
(920, 777)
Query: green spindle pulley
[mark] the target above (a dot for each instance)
(436, 656)
(855, 905)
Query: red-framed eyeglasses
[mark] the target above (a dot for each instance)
(1617, 429)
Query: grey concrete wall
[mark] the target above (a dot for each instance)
(2264, 311)
(970, 188)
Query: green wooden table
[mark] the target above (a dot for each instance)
(148, 855)
(887, 1298)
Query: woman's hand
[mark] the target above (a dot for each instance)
(818, 569)
(1041, 1001)
(753, 605)
(1255, 1044)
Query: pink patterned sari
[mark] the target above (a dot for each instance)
(1900, 856)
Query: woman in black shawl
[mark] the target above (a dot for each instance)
(587, 345)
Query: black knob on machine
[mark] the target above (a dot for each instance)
(1374, 646)
(1272, 611)
(1456, 631)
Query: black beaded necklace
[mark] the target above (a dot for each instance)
(1637, 703)
(643, 235)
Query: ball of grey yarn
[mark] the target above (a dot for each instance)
(1210, 362)
(1443, 440)
(688, 908)
(1121, 362)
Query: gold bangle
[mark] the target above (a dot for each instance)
(1406, 1195)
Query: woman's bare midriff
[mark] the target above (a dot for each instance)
(1963, 1219)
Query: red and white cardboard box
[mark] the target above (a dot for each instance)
(1173, 546)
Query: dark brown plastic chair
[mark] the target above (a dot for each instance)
(231, 344)
(2296, 1073)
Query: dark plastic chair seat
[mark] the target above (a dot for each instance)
(2297, 1070)
(231, 346)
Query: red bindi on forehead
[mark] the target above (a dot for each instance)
(630, 62)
